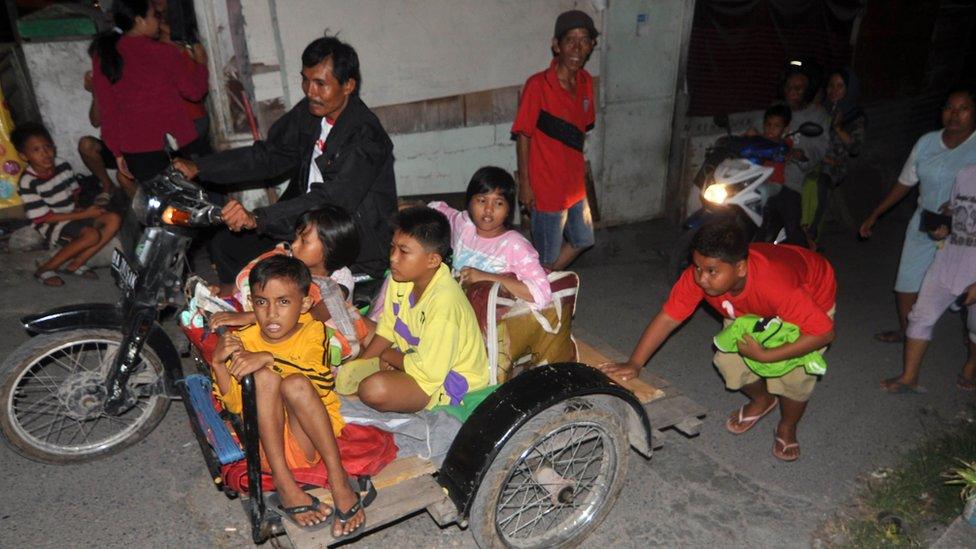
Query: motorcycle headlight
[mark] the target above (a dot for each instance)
(716, 193)
(145, 207)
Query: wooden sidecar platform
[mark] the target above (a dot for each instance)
(408, 485)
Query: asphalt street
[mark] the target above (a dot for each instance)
(714, 489)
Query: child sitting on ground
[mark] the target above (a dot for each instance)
(327, 242)
(427, 349)
(298, 412)
(767, 280)
(49, 192)
(486, 247)
(951, 276)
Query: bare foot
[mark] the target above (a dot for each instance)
(898, 385)
(345, 499)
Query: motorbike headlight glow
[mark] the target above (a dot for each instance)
(142, 205)
(715, 193)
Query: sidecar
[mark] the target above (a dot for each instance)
(538, 463)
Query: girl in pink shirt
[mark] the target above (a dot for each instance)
(486, 247)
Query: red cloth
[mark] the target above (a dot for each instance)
(147, 102)
(557, 173)
(364, 450)
(790, 282)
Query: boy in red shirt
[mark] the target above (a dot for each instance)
(767, 280)
(555, 111)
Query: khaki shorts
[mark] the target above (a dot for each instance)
(796, 384)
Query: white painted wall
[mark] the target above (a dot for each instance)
(57, 71)
(640, 77)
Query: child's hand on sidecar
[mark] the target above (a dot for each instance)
(246, 362)
(228, 345)
(231, 319)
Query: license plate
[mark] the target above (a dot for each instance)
(124, 274)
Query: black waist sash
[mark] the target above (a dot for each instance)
(560, 130)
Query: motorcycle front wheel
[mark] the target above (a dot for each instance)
(52, 390)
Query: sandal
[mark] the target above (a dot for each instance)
(274, 502)
(49, 279)
(784, 450)
(965, 384)
(890, 336)
(84, 272)
(365, 494)
(739, 423)
(895, 387)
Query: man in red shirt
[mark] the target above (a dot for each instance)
(556, 110)
(767, 280)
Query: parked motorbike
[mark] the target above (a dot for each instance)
(732, 182)
(98, 377)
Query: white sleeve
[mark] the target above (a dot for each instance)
(344, 278)
(909, 174)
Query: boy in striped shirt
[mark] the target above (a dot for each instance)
(49, 192)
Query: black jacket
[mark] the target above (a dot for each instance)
(356, 167)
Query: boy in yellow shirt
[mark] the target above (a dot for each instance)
(427, 349)
(298, 412)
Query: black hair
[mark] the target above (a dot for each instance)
(493, 178)
(345, 60)
(429, 227)
(781, 110)
(23, 132)
(124, 13)
(722, 240)
(280, 266)
(336, 231)
(962, 87)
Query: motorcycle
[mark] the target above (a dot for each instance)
(98, 377)
(732, 182)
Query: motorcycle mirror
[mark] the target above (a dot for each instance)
(721, 120)
(810, 129)
(170, 145)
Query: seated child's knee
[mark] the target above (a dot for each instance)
(266, 379)
(88, 145)
(373, 390)
(296, 385)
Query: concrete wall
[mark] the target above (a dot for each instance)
(643, 41)
(56, 71)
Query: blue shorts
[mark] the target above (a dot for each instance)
(549, 228)
(917, 253)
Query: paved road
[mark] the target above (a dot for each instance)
(715, 489)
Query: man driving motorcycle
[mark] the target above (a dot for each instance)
(337, 152)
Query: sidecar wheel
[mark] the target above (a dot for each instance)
(51, 393)
(555, 481)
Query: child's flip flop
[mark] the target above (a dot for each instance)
(49, 279)
(783, 450)
(365, 494)
(84, 272)
(274, 502)
(739, 423)
(965, 384)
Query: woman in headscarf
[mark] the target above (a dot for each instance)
(848, 125)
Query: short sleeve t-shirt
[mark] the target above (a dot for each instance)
(556, 122)
(935, 166)
(439, 337)
(790, 282)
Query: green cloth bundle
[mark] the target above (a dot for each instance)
(770, 333)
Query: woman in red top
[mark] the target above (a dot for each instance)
(140, 85)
